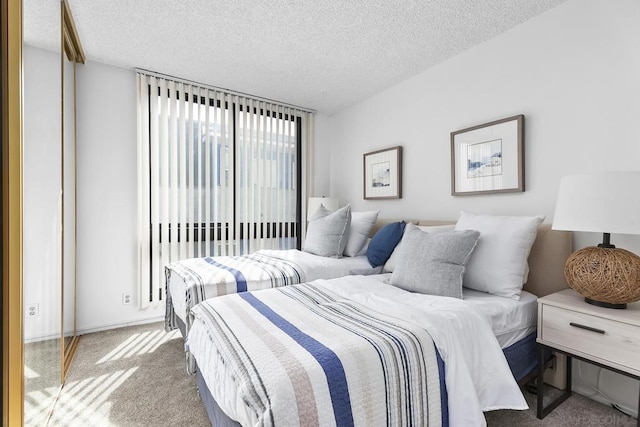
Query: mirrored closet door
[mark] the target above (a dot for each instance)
(42, 127)
(51, 50)
(72, 55)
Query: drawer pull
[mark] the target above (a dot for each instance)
(588, 328)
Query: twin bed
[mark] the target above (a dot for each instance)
(194, 280)
(356, 351)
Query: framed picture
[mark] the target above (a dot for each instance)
(383, 174)
(488, 158)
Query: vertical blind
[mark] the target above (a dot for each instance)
(219, 174)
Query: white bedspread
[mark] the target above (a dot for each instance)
(476, 373)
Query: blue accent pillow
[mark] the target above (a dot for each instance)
(384, 242)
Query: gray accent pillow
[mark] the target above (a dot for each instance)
(434, 264)
(327, 232)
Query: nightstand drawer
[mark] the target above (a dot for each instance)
(592, 335)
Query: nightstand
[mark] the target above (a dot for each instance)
(606, 337)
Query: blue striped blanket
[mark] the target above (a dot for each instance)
(205, 278)
(305, 355)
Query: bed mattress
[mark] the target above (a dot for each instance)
(510, 320)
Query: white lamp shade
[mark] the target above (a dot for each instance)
(315, 202)
(605, 202)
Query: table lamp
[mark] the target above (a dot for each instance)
(605, 202)
(315, 202)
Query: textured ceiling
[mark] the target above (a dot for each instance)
(320, 54)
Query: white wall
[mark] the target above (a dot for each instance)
(107, 199)
(574, 72)
(321, 156)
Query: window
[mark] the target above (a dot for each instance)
(220, 174)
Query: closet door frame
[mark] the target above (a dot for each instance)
(71, 52)
(11, 157)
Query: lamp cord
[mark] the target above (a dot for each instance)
(597, 391)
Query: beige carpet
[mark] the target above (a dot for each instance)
(130, 377)
(41, 380)
(136, 376)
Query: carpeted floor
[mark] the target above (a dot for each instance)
(41, 380)
(130, 377)
(136, 376)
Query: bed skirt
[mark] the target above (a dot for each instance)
(522, 356)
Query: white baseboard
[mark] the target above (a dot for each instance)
(97, 329)
(120, 325)
(41, 338)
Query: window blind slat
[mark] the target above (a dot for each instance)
(172, 164)
(190, 182)
(276, 164)
(223, 176)
(239, 154)
(260, 181)
(271, 124)
(182, 161)
(215, 192)
(144, 196)
(156, 253)
(205, 141)
(164, 177)
(198, 177)
(251, 219)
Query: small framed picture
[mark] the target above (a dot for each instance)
(488, 158)
(383, 174)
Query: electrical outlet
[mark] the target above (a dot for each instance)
(126, 298)
(33, 310)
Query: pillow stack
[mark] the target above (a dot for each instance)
(486, 253)
(490, 256)
(334, 234)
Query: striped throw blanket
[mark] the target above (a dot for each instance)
(303, 355)
(209, 277)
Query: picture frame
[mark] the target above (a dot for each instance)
(488, 158)
(382, 174)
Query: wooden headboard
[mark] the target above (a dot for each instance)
(546, 260)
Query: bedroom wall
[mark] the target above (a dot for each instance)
(107, 199)
(321, 156)
(574, 72)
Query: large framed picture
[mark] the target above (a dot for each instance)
(488, 158)
(383, 174)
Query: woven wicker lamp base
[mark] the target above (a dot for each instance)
(605, 275)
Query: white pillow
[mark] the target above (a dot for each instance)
(327, 232)
(363, 251)
(361, 225)
(391, 263)
(499, 263)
